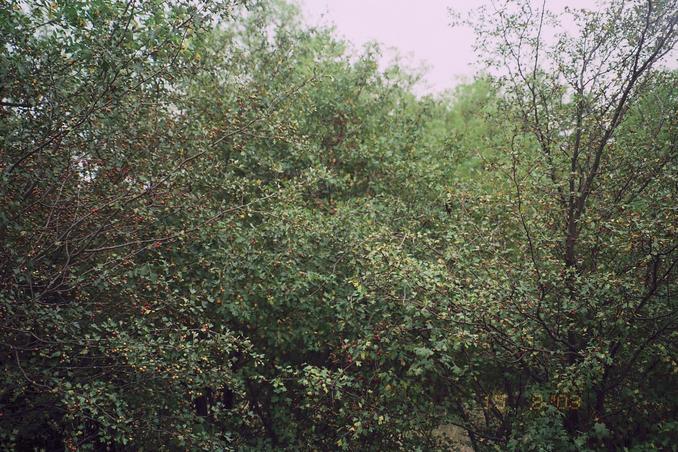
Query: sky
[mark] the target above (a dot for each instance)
(419, 29)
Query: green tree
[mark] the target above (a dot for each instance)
(94, 158)
(574, 299)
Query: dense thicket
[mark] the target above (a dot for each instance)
(221, 230)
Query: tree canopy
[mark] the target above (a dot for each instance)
(223, 230)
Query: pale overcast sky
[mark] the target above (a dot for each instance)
(419, 29)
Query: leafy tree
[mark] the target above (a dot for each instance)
(576, 303)
(165, 185)
(94, 161)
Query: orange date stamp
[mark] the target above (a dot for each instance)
(499, 401)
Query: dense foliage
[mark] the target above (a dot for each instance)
(222, 230)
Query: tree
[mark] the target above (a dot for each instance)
(580, 306)
(94, 160)
(183, 194)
